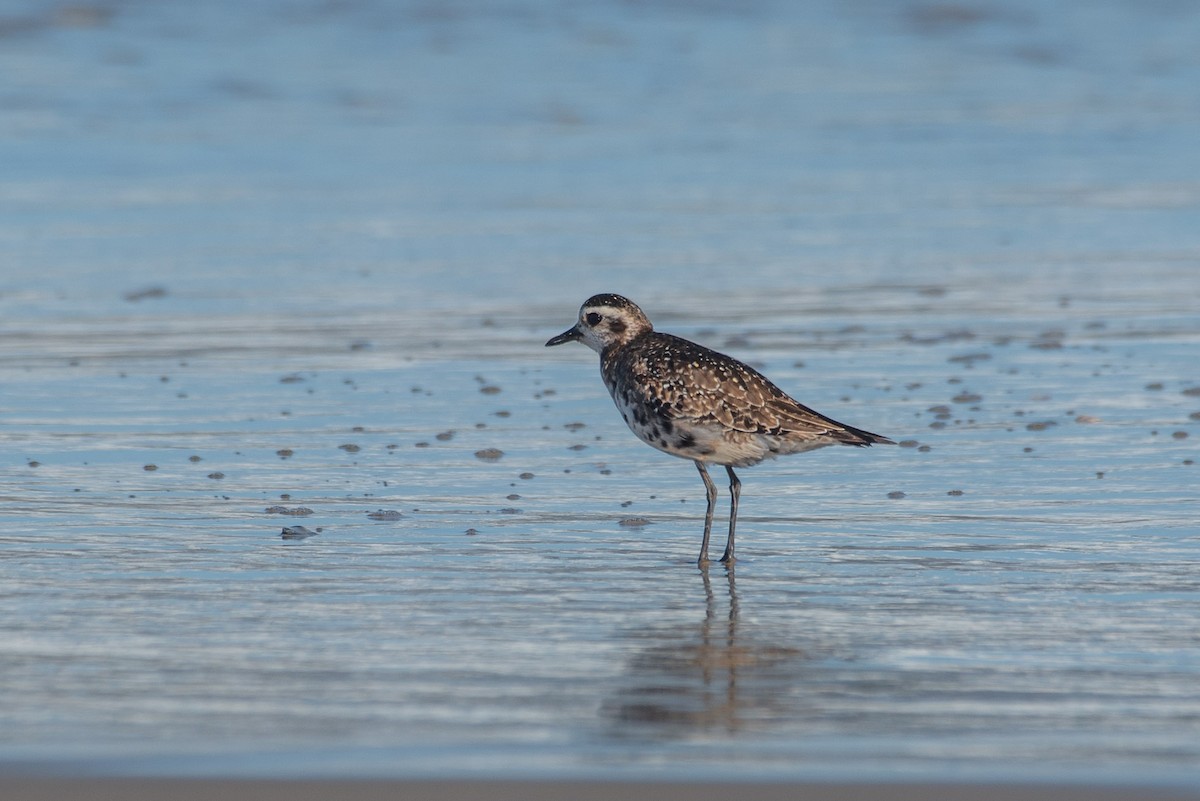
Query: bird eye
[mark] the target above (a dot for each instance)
(592, 319)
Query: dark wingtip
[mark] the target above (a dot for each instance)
(862, 439)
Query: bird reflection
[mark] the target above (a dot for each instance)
(706, 676)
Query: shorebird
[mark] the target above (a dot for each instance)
(695, 403)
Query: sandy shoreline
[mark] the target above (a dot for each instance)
(134, 789)
(296, 262)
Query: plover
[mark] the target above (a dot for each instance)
(695, 403)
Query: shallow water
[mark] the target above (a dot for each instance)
(226, 301)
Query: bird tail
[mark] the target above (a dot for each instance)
(849, 435)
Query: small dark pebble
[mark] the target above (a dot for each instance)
(471, 532)
(149, 293)
(490, 389)
(513, 497)
(149, 468)
(955, 493)
(349, 447)
(1156, 386)
(217, 475)
(907, 443)
(924, 449)
(291, 378)
(297, 533)
(967, 397)
(295, 511)
(384, 514)
(896, 495)
(193, 458)
(574, 426)
(1192, 392)
(634, 522)
(576, 447)
(445, 436)
(526, 476)
(489, 454)
(970, 358)
(1179, 435)
(1041, 425)
(1194, 416)
(284, 453)
(34, 463)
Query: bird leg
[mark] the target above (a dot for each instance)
(710, 490)
(735, 489)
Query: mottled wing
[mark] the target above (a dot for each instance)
(692, 383)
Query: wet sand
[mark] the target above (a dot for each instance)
(268, 266)
(277, 790)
